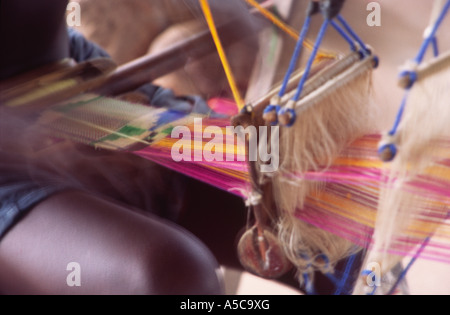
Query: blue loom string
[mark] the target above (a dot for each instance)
(309, 65)
(399, 116)
(408, 267)
(367, 273)
(309, 286)
(435, 47)
(295, 55)
(339, 283)
(272, 108)
(343, 282)
(353, 34)
(373, 291)
(429, 40)
(344, 35)
(333, 278)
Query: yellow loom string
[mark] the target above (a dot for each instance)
(275, 20)
(287, 29)
(232, 82)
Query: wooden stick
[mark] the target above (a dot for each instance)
(148, 68)
(131, 75)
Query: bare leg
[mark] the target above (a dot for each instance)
(119, 251)
(218, 219)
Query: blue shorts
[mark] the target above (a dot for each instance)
(17, 198)
(19, 192)
(125, 178)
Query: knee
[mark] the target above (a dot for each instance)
(179, 264)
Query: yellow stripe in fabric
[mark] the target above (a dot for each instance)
(37, 94)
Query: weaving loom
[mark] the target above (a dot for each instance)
(323, 204)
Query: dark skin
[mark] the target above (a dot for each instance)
(120, 251)
(33, 37)
(121, 248)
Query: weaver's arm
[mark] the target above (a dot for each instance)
(82, 49)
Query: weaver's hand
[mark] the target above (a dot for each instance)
(162, 97)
